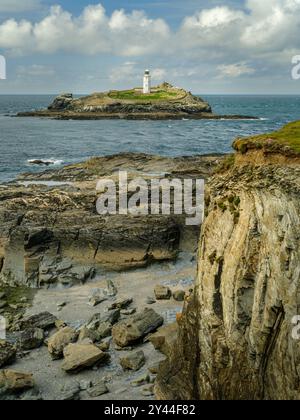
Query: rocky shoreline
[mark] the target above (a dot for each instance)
(88, 321)
(116, 312)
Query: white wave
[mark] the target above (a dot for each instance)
(46, 162)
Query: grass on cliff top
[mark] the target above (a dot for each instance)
(286, 139)
(133, 95)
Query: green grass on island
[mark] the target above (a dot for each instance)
(134, 95)
(286, 139)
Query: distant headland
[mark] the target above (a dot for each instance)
(162, 102)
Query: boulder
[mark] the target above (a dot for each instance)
(165, 339)
(7, 353)
(61, 102)
(30, 339)
(43, 320)
(162, 293)
(86, 334)
(13, 382)
(58, 341)
(81, 356)
(135, 328)
(101, 324)
(133, 361)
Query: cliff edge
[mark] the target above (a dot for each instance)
(235, 336)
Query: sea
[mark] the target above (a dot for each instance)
(23, 140)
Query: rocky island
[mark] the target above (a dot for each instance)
(198, 316)
(164, 102)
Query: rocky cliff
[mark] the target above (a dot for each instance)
(235, 336)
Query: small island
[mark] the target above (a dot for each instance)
(162, 102)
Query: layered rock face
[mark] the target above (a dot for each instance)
(235, 337)
(51, 233)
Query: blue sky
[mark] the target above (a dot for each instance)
(217, 46)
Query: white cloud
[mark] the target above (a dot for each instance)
(235, 70)
(93, 32)
(15, 6)
(261, 30)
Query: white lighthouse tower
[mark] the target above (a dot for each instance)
(147, 83)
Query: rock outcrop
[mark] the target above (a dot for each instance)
(235, 336)
(164, 102)
(51, 234)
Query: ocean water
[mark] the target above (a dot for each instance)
(64, 142)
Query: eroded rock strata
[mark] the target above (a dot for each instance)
(50, 233)
(235, 336)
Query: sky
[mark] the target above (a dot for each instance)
(208, 47)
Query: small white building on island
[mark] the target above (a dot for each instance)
(147, 82)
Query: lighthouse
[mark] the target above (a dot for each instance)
(147, 83)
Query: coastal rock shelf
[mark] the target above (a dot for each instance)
(52, 234)
(165, 102)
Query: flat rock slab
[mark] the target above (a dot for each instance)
(61, 339)
(81, 356)
(44, 320)
(13, 382)
(135, 328)
(162, 292)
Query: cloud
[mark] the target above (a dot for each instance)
(91, 33)
(235, 70)
(18, 6)
(257, 30)
(271, 25)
